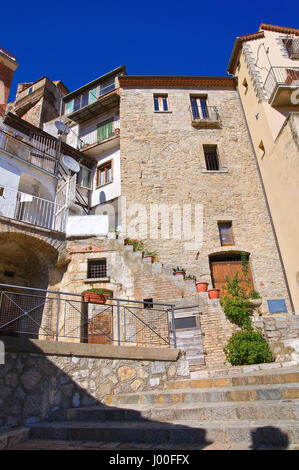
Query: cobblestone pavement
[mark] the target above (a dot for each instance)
(36, 444)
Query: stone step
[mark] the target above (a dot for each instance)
(207, 395)
(257, 378)
(202, 412)
(274, 432)
(231, 371)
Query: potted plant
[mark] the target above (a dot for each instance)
(179, 270)
(255, 299)
(117, 130)
(214, 293)
(202, 286)
(96, 296)
(152, 254)
(190, 277)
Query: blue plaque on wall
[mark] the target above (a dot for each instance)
(277, 306)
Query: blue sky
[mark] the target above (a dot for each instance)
(77, 42)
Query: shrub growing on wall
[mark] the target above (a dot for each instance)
(247, 346)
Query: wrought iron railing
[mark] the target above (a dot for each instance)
(34, 152)
(281, 76)
(62, 316)
(203, 113)
(96, 137)
(31, 209)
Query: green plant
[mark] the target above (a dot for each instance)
(254, 295)
(233, 287)
(179, 269)
(237, 310)
(247, 347)
(95, 290)
(153, 254)
(137, 244)
(190, 276)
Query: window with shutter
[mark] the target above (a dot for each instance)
(225, 232)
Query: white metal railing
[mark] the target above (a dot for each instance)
(32, 209)
(203, 113)
(95, 137)
(287, 76)
(38, 152)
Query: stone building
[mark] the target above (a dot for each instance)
(8, 65)
(266, 66)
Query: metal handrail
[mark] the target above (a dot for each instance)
(48, 314)
(280, 76)
(31, 209)
(204, 113)
(33, 154)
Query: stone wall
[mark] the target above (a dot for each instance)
(282, 334)
(162, 162)
(32, 386)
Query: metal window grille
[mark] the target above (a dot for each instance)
(97, 268)
(212, 160)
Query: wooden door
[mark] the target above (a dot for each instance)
(221, 269)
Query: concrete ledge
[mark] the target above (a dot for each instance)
(59, 348)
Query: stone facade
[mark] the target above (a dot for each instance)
(32, 386)
(162, 162)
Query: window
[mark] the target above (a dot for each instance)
(226, 234)
(96, 268)
(104, 130)
(30, 91)
(245, 85)
(83, 177)
(185, 322)
(292, 46)
(199, 107)
(148, 303)
(261, 149)
(161, 102)
(104, 174)
(211, 157)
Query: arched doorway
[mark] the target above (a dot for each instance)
(229, 264)
(24, 261)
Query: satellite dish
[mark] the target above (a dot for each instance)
(70, 163)
(62, 127)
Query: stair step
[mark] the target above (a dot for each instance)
(258, 378)
(206, 395)
(278, 432)
(202, 412)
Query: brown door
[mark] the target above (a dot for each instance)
(100, 327)
(220, 269)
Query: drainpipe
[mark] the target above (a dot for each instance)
(267, 205)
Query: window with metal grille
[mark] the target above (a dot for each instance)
(148, 303)
(96, 268)
(211, 157)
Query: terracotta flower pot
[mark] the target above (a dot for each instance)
(95, 298)
(179, 272)
(150, 256)
(256, 302)
(214, 293)
(202, 286)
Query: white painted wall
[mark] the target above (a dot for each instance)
(87, 225)
(111, 190)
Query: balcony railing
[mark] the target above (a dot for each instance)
(53, 316)
(281, 77)
(32, 209)
(97, 136)
(38, 152)
(203, 114)
(88, 97)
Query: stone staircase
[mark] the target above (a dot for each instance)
(226, 409)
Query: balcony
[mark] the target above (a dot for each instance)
(39, 152)
(31, 209)
(101, 139)
(280, 84)
(204, 116)
(92, 103)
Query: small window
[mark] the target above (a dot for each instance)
(104, 174)
(148, 303)
(261, 149)
(225, 233)
(185, 322)
(245, 85)
(96, 268)
(161, 102)
(211, 157)
(30, 91)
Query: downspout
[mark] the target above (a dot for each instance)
(267, 205)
